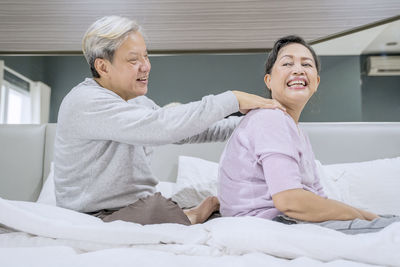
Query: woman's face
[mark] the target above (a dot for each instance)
(294, 77)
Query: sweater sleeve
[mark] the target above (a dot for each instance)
(218, 132)
(98, 114)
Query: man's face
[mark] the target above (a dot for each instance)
(129, 71)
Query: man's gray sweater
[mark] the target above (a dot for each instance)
(103, 143)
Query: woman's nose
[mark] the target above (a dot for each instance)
(298, 69)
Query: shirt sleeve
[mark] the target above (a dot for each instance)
(281, 173)
(102, 116)
(320, 190)
(273, 139)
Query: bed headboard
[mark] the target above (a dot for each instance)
(340, 142)
(27, 150)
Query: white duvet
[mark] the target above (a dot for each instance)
(45, 235)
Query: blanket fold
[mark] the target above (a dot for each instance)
(45, 226)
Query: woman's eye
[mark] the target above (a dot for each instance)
(307, 65)
(287, 64)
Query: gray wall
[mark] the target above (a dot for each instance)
(184, 78)
(187, 78)
(339, 93)
(62, 74)
(31, 67)
(381, 96)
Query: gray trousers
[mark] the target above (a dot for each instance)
(351, 227)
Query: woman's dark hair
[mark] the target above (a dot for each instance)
(284, 41)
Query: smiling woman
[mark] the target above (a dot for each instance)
(268, 168)
(292, 74)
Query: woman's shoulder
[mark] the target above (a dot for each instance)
(266, 112)
(269, 120)
(268, 117)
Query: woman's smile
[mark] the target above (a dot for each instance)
(297, 83)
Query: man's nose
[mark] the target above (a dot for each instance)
(145, 65)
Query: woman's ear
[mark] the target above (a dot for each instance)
(318, 80)
(267, 80)
(101, 66)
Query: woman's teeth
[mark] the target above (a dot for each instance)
(292, 83)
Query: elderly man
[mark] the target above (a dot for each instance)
(107, 126)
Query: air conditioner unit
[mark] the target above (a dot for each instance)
(383, 66)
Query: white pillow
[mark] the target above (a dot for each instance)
(197, 179)
(332, 189)
(166, 188)
(48, 195)
(193, 170)
(371, 185)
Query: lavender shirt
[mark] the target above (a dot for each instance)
(266, 154)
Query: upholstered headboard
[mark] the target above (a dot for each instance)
(27, 150)
(21, 160)
(332, 143)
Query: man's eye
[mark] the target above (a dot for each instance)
(307, 65)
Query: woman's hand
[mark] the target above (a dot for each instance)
(369, 216)
(250, 101)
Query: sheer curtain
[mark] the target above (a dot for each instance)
(40, 102)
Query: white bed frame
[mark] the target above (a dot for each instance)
(27, 150)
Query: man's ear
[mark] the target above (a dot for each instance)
(267, 80)
(101, 66)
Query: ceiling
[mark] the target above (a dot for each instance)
(383, 39)
(49, 26)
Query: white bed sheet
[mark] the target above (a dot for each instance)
(52, 236)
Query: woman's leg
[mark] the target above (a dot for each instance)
(358, 226)
(351, 227)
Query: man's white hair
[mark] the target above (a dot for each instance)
(104, 36)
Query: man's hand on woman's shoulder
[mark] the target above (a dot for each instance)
(250, 101)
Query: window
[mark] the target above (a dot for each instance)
(16, 108)
(22, 101)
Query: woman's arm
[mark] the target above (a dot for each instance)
(307, 206)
